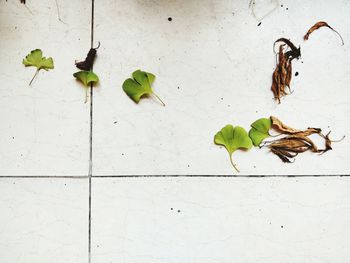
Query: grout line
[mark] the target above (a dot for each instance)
(91, 130)
(164, 176)
(45, 176)
(219, 176)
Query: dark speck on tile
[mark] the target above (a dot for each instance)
(170, 19)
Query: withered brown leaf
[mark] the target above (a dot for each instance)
(319, 25)
(281, 127)
(295, 141)
(89, 60)
(282, 74)
(294, 52)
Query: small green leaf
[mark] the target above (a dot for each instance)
(35, 59)
(260, 130)
(140, 86)
(233, 138)
(86, 77)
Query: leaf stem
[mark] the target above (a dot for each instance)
(159, 99)
(234, 165)
(36, 73)
(86, 94)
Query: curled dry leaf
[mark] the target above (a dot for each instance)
(292, 142)
(319, 25)
(281, 127)
(282, 74)
(89, 60)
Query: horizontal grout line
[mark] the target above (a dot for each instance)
(168, 176)
(216, 176)
(46, 176)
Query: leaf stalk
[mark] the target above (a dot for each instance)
(159, 99)
(36, 73)
(233, 164)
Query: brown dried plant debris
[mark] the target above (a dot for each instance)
(319, 25)
(295, 141)
(282, 74)
(89, 60)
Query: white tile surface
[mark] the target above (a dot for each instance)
(213, 66)
(43, 220)
(221, 220)
(44, 128)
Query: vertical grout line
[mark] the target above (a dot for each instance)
(91, 128)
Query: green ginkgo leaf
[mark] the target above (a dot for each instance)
(260, 130)
(87, 78)
(233, 138)
(35, 59)
(140, 86)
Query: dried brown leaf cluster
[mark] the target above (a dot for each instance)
(287, 51)
(89, 60)
(282, 74)
(319, 25)
(295, 141)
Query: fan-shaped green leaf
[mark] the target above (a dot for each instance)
(233, 138)
(140, 86)
(260, 130)
(86, 77)
(35, 59)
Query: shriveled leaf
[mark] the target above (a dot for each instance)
(294, 141)
(294, 52)
(281, 127)
(319, 25)
(140, 86)
(89, 60)
(260, 130)
(233, 138)
(282, 75)
(36, 59)
(86, 77)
